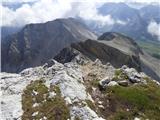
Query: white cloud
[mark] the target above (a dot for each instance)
(121, 22)
(47, 10)
(140, 1)
(89, 12)
(154, 29)
(5, 15)
(41, 11)
(18, 1)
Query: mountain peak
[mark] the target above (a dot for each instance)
(109, 36)
(37, 43)
(121, 41)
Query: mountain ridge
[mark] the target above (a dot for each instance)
(118, 51)
(134, 22)
(36, 43)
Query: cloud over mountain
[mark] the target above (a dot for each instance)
(154, 29)
(40, 11)
(46, 10)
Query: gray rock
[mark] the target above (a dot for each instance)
(133, 75)
(104, 82)
(108, 64)
(134, 80)
(50, 63)
(124, 67)
(112, 83)
(97, 62)
(123, 83)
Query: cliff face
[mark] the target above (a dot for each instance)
(37, 43)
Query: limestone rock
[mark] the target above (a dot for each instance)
(123, 83)
(104, 82)
(71, 79)
(112, 83)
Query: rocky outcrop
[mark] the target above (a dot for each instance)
(147, 63)
(67, 77)
(35, 44)
(124, 77)
(78, 85)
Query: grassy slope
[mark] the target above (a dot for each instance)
(51, 108)
(141, 101)
(126, 103)
(151, 47)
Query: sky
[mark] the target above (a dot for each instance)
(41, 11)
(148, 1)
(46, 10)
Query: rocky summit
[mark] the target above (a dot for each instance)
(81, 89)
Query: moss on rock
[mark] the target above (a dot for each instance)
(120, 75)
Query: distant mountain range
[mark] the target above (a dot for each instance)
(130, 21)
(36, 44)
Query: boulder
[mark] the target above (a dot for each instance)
(133, 75)
(124, 67)
(103, 83)
(134, 79)
(112, 83)
(123, 83)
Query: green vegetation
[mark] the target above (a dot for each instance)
(123, 115)
(120, 75)
(52, 108)
(90, 104)
(118, 72)
(95, 83)
(134, 95)
(152, 48)
(141, 101)
(77, 118)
